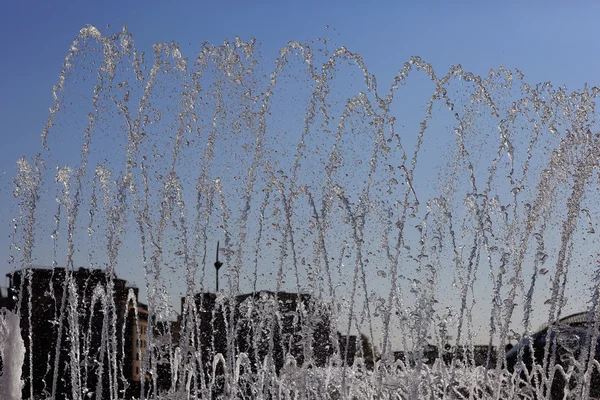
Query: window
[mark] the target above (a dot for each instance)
(137, 356)
(137, 370)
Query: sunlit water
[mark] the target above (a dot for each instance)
(443, 208)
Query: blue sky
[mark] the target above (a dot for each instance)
(548, 41)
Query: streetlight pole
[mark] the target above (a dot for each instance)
(218, 264)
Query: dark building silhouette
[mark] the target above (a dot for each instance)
(5, 300)
(566, 342)
(291, 324)
(348, 347)
(269, 327)
(86, 334)
(165, 340)
(477, 355)
(79, 331)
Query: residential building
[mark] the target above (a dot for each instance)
(76, 326)
(272, 327)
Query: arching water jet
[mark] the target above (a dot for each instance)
(454, 222)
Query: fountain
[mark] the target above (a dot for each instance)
(364, 231)
(12, 352)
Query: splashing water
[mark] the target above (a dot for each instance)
(12, 353)
(448, 210)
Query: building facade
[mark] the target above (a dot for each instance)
(78, 329)
(269, 328)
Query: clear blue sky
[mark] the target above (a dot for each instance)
(547, 40)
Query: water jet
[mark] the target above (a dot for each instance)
(460, 221)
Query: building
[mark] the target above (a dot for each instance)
(269, 327)
(135, 346)
(165, 340)
(298, 326)
(138, 336)
(348, 348)
(85, 331)
(76, 325)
